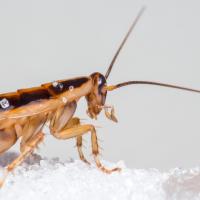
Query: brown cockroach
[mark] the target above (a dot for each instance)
(24, 113)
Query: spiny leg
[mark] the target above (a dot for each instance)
(79, 130)
(79, 141)
(95, 152)
(8, 138)
(29, 148)
(62, 119)
(73, 122)
(79, 147)
(31, 136)
(32, 126)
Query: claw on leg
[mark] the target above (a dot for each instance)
(103, 169)
(95, 151)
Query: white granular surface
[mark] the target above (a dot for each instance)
(51, 179)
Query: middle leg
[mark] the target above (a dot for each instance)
(77, 130)
(73, 122)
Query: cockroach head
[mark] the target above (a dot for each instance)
(97, 97)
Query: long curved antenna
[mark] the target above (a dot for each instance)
(113, 87)
(123, 42)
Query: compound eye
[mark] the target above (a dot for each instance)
(100, 81)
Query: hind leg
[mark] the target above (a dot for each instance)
(33, 126)
(8, 138)
(28, 149)
(31, 136)
(30, 146)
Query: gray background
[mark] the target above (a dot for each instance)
(46, 40)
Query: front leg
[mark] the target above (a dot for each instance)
(73, 129)
(62, 119)
(110, 115)
(70, 124)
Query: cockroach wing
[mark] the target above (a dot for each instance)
(33, 108)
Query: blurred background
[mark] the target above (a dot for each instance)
(47, 40)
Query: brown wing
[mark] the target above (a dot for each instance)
(27, 102)
(31, 109)
(22, 97)
(32, 101)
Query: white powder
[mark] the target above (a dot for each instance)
(51, 179)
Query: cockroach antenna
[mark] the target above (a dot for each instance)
(124, 41)
(113, 87)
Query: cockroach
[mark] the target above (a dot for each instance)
(24, 113)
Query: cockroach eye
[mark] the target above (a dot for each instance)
(99, 81)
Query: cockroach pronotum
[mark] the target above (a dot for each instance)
(24, 113)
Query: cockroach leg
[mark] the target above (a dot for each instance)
(62, 116)
(75, 130)
(29, 148)
(66, 130)
(62, 120)
(95, 152)
(8, 138)
(79, 147)
(71, 123)
(113, 117)
(110, 115)
(31, 128)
